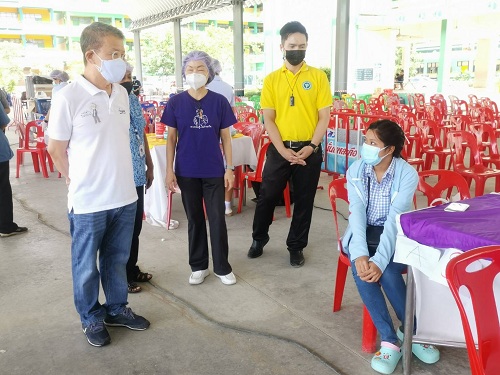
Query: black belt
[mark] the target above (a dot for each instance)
(296, 144)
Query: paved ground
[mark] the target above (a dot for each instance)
(275, 320)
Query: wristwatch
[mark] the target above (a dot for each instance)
(231, 167)
(315, 147)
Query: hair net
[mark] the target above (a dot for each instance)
(216, 65)
(129, 68)
(60, 75)
(199, 56)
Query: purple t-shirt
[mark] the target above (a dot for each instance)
(198, 124)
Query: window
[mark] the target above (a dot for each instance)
(432, 68)
(33, 17)
(420, 69)
(463, 63)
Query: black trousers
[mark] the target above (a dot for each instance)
(7, 224)
(277, 172)
(195, 191)
(132, 268)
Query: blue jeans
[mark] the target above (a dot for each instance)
(109, 233)
(371, 294)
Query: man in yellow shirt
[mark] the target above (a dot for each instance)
(296, 102)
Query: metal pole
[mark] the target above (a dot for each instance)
(342, 47)
(178, 55)
(137, 53)
(409, 316)
(239, 82)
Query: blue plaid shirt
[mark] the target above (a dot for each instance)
(379, 197)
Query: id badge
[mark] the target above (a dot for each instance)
(141, 150)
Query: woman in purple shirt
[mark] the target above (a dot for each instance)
(198, 121)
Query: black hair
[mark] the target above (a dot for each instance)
(292, 28)
(391, 134)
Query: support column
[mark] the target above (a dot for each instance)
(484, 74)
(239, 78)
(137, 54)
(341, 47)
(444, 57)
(178, 55)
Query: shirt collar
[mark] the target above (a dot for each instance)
(303, 68)
(89, 87)
(370, 172)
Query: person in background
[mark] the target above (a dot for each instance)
(381, 185)
(90, 145)
(136, 86)
(143, 177)
(296, 102)
(7, 225)
(198, 120)
(4, 101)
(60, 80)
(225, 89)
(399, 79)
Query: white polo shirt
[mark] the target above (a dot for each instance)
(219, 86)
(97, 128)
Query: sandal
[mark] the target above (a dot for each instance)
(134, 288)
(386, 359)
(143, 277)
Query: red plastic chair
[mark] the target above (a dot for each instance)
(485, 360)
(38, 152)
(460, 141)
(487, 142)
(256, 176)
(446, 181)
(337, 190)
(431, 145)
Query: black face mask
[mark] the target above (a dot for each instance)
(295, 56)
(128, 86)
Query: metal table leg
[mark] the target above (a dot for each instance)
(409, 317)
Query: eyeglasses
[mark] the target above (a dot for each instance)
(115, 55)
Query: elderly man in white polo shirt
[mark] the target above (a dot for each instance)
(89, 143)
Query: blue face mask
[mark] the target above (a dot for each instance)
(369, 154)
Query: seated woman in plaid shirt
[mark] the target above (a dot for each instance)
(381, 185)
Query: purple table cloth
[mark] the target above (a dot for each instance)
(477, 226)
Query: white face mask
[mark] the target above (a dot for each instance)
(113, 71)
(196, 80)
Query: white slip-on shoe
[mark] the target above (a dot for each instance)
(228, 279)
(229, 211)
(198, 277)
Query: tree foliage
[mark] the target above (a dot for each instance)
(11, 55)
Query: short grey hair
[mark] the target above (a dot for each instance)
(216, 65)
(93, 34)
(199, 56)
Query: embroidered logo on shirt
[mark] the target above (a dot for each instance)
(121, 111)
(86, 114)
(200, 121)
(307, 85)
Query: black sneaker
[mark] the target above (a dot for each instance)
(18, 230)
(257, 248)
(96, 333)
(297, 259)
(127, 319)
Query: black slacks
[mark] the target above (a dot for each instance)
(132, 268)
(195, 192)
(277, 172)
(7, 224)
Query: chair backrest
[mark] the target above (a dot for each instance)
(40, 141)
(261, 159)
(429, 133)
(254, 131)
(337, 190)
(485, 133)
(459, 141)
(446, 181)
(479, 283)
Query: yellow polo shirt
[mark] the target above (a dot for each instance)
(311, 92)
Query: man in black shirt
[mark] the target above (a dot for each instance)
(136, 86)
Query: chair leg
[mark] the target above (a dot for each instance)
(286, 194)
(169, 208)
(340, 278)
(479, 186)
(43, 165)
(19, 160)
(243, 191)
(369, 335)
(36, 165)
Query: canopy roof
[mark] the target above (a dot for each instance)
(148, 13)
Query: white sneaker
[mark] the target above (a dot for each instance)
(198, 277)
(229, 211)
(228, 279)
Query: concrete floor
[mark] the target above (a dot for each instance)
(275, 320)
